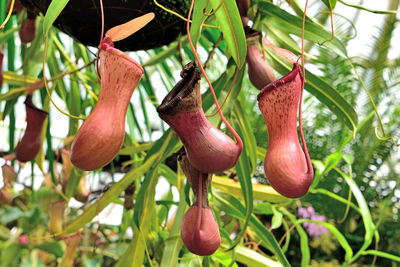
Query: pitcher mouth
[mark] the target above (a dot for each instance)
(285, 79)
(185, 96)
(108, 46)
(28, 103)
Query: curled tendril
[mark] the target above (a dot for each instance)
(380, 127)
(369, 10)
(332, 30)
(352, 26)
(47, 88)
(384, 138)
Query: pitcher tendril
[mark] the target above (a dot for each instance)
(179, 15)
(8, 15)
(237, 137)
(381, 128)
(47, 88)
(332, 29)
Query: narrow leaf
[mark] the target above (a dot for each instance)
(250, 257)
(340, 237)
(109, 196)
(231, 25)
(260, 192)
(173, 243)
(54, 10)
(292, 24)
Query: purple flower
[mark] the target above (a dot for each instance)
(306, 213)
(313, 229)
(303, 213)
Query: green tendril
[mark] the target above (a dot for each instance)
(384, 137)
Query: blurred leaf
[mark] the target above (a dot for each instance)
(143, 212)
(349, 159)
(244, 174)
(13, 78)
(161, 56)
(51, 247)
(4, 232)
(263, 208)
(168, 174)
(260, 192)
(135, 149)
(331, 4)
(114, 192)
(173, 243)
(340, 237)
(73, 181)
(11, 254)
(276, 219)
(334, 196)
(382, 254)
(234, 207)
(365, 214)
(12, 94)
(248, 138)
(332, 161)
(224, 258)
(305, 249)
(250, 257)
(10, 215)
(7, 34)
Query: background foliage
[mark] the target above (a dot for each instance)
(349, 216)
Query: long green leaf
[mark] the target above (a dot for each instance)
(231, 26)
(260, 191)
(382, 254)
(268, 238)
(145, 208)
(53, 11)
(109, 196)
(235, 208)
(7, 34)
(340, 237)
(250, 257)
(334, 196)
(365, 214)
(174, 242)
(244, 168)
(198, 17)
(244, 176)
(305, 249)
(287, 22)
(249, 139)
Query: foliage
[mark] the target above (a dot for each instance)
(356, 173)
